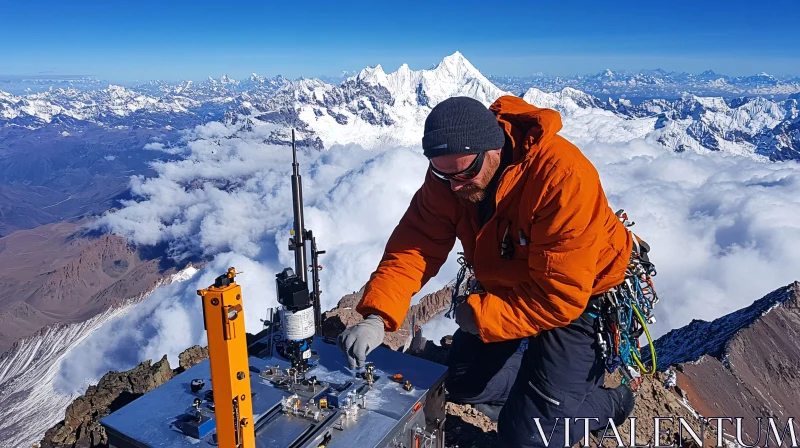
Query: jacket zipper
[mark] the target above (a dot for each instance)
(555, 402)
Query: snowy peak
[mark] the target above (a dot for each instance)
(655, 84)
(456, 76)
(372, 108)
(114, 101)
(453, 76)
(257, 78)
(372, 75)
(223, 80)
(743, 364)
(457, 66)
(699, 338)
(567, 101)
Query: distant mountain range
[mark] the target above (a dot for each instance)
(22, 85)
(643, 84)
(655, 84)
(374, 108)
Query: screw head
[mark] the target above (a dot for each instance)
(215, 301)
(240, 376)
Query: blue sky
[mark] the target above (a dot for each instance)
(128, 41)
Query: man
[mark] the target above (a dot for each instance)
(538, 232)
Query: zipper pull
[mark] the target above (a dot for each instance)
(507, 244)
(522, 240)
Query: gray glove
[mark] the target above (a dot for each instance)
(359, 340)
(465, 318)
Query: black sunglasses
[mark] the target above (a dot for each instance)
(469, 173)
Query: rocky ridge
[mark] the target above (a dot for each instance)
(744, 364)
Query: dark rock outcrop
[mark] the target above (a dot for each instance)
(191, 357)
(81, 426)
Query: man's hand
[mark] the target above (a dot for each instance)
(359, 340)
(465, 318)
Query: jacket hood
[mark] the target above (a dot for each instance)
(525, 123)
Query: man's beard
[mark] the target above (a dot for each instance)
(472, 193)
(476, 191)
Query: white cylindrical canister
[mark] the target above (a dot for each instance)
(298, 325)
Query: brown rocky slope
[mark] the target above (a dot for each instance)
(745, 364)
(62, 274)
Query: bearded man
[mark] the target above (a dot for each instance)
(543, 243)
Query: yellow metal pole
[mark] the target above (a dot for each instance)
(227, 349)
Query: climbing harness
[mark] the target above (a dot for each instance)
(623, 312)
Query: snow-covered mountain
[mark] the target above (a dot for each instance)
(27, 379)
(106, 106)
(23, 85)
(746, 126)
(220, 91)
(374, 108)
(753, 125)
(655, 84)
(153, 104)
(701, 338)
(30, 401)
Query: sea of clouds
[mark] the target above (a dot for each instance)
(724, 229)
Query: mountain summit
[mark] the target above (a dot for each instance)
(453, 76)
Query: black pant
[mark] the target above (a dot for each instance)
(558, 377)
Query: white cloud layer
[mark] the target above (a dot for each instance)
(168, 322)
(723, 229)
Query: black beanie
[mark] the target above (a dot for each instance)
(461, 125)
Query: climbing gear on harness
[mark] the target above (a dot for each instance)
(465, 285)
(622, 315)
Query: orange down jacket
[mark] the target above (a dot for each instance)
(576, 246)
